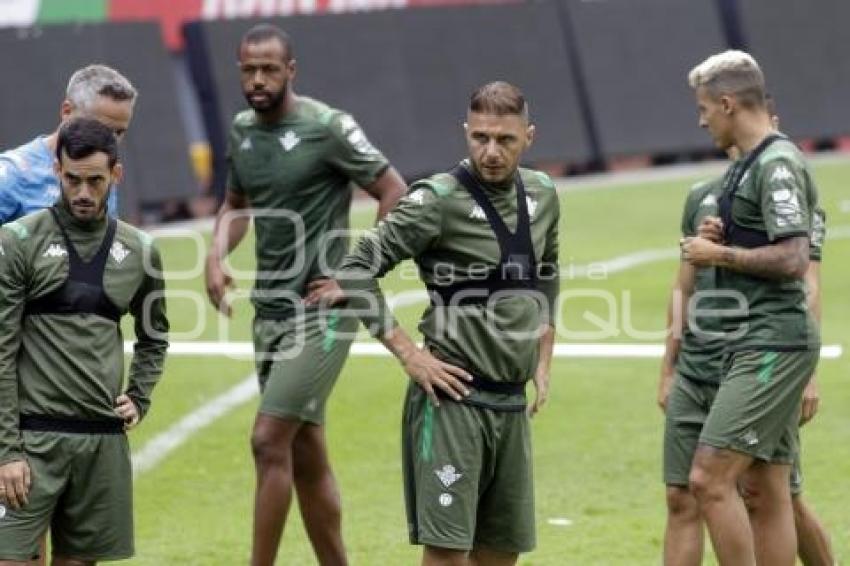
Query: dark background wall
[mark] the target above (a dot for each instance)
(36, 64)
(605, 78)
(406, 75)
(804, 50)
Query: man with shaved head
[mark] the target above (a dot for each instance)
(27, 179)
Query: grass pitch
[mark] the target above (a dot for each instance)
(597, 443)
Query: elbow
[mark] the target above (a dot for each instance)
(796, 268)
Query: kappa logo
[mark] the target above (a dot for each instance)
(118, 252)
(55, 250)
(416, 196)
(360, 142)
(477, 213)
(709, 200)
(532, 206)
(245, 145)
(750, 438)
(289, 140)
(448, 475)
(781, 173)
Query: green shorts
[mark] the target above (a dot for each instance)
(797, 470)
(687, 408)
(757, 408)
(467, 476)
(298, 360)
(82, 490)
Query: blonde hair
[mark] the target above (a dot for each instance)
(731, 72)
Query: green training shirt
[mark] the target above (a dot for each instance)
(701, 351)
(72, 365)
(702, 343)
(777, 196)
(296, 176)
(441, 226)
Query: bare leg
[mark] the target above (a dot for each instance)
(683, 537)
(318, 496)
(813, 544)
(714, 482)
(435, 556)
(768, 499)
(482, 556)
(271, 443)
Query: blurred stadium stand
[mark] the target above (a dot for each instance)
(36, 65)
(606, 78)
(407, 90)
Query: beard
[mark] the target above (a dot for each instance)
(270, 101)
(90, 210)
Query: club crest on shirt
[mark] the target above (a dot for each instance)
(245, 145)
(118, 252)
(781, 173)
(289, 140)
(477, 213)
(448, 475)
(55, 250)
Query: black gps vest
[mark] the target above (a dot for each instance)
(735, 234)
(517, 268)
(82, 292)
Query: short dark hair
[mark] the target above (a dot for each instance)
(500, 98)
(263, 32)
(82, 137)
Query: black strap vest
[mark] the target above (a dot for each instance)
(82, 292)
(734, 234)
(517, 269)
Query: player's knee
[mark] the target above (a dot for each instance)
(268, 450)
(681, 504)
(436, 556)
(704, 485)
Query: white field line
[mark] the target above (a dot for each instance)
(374, 349)
(161, 445)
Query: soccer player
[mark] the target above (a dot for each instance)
(27, 180)
(485, 238)
(690, 375)
(68, 275)
(766, 211)
(291, 160)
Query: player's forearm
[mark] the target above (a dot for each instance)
(145, 371)
(546, 347)
(231, 225)
(813, 293)
(787, 259)
(397, 341)
(151, 327)
(388, 190)
(10, 436)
